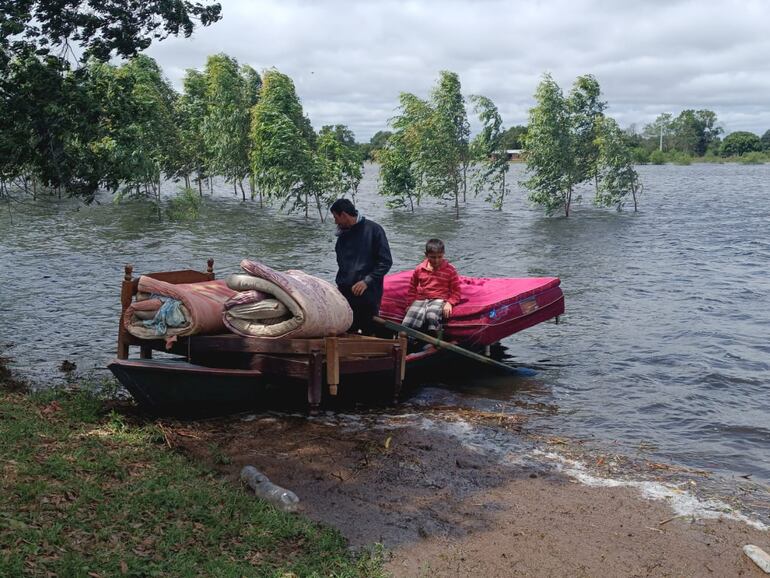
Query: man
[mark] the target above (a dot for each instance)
(363, 259)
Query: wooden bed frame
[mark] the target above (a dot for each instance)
(309, 360)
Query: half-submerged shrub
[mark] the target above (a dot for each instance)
(185, 206)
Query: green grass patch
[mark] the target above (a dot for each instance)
(87, 493)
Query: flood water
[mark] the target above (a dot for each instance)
(665, 343)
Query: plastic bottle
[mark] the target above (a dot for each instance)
(282, 498)
(758, 556)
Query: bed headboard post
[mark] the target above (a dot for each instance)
(210, 268)
(126, 295)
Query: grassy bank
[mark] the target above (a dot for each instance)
(87, 493)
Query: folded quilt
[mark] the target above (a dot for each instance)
(164, 310)
(288, 304)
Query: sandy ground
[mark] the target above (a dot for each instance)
(442, 508)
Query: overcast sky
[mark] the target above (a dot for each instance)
(350, 59)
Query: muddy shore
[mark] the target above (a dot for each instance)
(443, 504)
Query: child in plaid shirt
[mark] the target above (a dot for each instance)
(433, 291)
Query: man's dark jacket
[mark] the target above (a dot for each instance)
(363, 254)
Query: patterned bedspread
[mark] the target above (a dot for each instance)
(313, 307)
(200, 304)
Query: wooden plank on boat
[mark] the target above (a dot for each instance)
(238, 343)
(357, 347)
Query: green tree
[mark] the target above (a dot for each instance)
(586, 112)
(693, 131)
(739, 143)
(410, 152)
(551, 164)
(514, 137)
(53, 127)
(282, 145)
(453, 135)
(571, 142)
(397, 179)
(226, 124)
(488, 152)
(435, 135)
(766, 141)
(618, 178)
(380, 139)
(370, 151)
(101, 29)
(144, 132)
(191, 108)
(347, 161)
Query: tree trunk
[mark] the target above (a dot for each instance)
(235, 187)
(243, 193)
(318, 204)
(200, 186)
(502, 194)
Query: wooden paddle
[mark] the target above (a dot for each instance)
(436, 342)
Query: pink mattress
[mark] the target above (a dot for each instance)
(489, 310)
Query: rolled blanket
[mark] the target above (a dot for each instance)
(298, 304)
(164, 310)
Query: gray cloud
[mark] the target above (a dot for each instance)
(350, 60)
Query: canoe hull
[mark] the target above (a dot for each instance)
(176, 387)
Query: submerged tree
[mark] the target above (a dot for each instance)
(618, 178)
(586, 112)
(551, 163)
(488, 152)
(290, 162)
(570, 142)
(434, 136)
(190, 113)
(281, 152)
(144, 131)
(397, 179)
(408, 154)
(453, 132)
(226, 123)
(342, 160)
